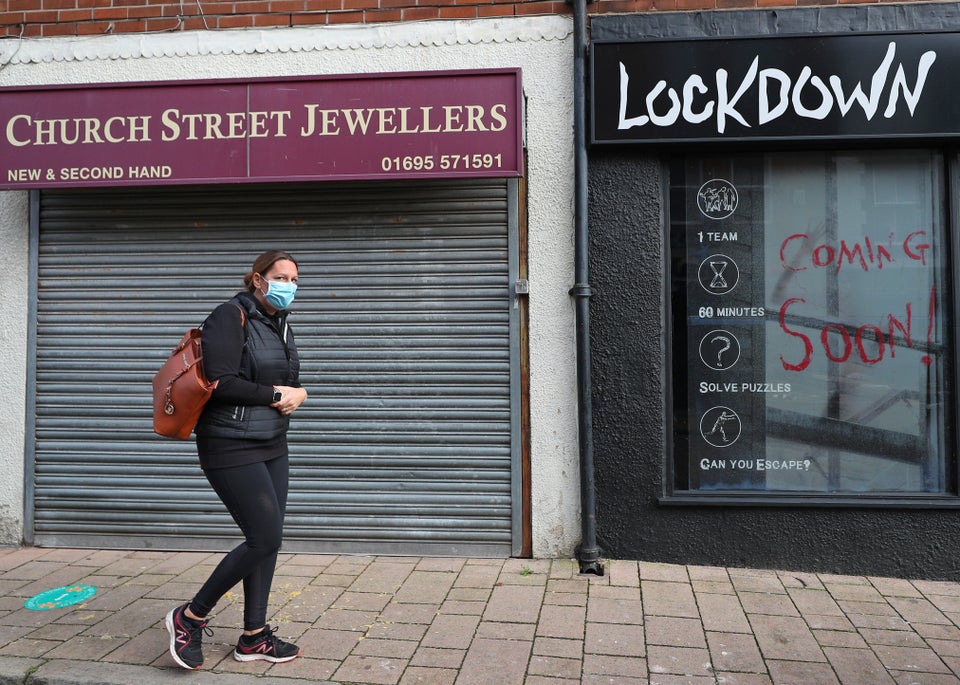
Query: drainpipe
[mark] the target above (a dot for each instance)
(588, 554)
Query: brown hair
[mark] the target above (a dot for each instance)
(262, 264)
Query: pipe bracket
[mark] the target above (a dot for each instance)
(581, 290)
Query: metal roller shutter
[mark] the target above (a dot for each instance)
(408, 443)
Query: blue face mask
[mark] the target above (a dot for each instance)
(280, 294)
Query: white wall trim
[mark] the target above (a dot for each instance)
(283, 40)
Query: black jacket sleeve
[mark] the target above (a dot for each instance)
(222, 338)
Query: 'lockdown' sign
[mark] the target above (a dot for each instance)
(823, 87)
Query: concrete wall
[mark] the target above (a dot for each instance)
(540, 46)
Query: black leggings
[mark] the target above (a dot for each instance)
(256, 496)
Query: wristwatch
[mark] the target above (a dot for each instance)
(277, 395)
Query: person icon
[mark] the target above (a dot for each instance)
(720, 426)
(724, 417)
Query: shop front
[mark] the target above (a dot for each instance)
(773, 249)
(404, 196)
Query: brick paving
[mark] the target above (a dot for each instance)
(428, 621)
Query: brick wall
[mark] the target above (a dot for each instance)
(39, 18)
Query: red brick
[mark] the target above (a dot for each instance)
(695, 4)
(251, 8)
(271, 20)
(210, 8)
(614, 6)
(243, 21)
(345, 18)
(288, 6)
(59, 4)
(8, 18)
(415, 13)
(729, 4)
(40, 17)
(529, 8)
(463, 12)
(48, 30)
(109, 14)
(129, 26)
(324, 6)
(495, 11)
(360, 4)
(14, 5)
(162, 24)
(144, 12)
(377, 16)
(309, 19)
(198, 23)
(93, 28)
(75, 15)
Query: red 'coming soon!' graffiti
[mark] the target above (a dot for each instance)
(865, 256)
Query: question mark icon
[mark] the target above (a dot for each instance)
(721, 348)
(725, 341)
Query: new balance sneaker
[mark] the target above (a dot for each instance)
(185, 638)
(265, 646)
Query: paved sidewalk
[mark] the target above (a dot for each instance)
(391, 620)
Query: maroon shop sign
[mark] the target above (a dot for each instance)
(376, 126)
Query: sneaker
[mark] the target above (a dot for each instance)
(185, 638)
(266, 646)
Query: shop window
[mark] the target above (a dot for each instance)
(810, 301)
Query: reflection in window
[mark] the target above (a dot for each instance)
(838, 318)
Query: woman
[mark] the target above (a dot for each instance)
(242, 445)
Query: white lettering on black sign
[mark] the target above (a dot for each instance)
(776, 88)
(725, 98)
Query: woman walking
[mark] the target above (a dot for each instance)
(242, 444)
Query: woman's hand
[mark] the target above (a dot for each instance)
(290, 399)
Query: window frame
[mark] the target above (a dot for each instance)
(672, 495)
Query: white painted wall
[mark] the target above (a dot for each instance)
(14, 230)
(540, 46)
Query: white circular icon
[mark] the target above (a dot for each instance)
(719, 350)
(717, 199)
(720, 426)
(718, 274)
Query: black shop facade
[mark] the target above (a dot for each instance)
(773, 260)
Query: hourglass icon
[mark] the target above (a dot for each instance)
(718, 274)
(718, 269)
